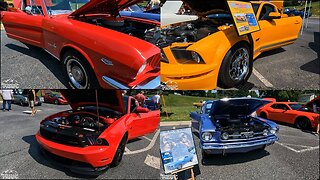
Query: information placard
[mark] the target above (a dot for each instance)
(177, 150)
(244, 17)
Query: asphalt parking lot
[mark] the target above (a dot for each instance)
(294, 156)
(292, 67)
(20, 151)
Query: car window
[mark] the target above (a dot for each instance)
(280, 106)
(55, 7)
(266, 10)
(208, 108)
(255, 8)
(295, 106)
(32, 6)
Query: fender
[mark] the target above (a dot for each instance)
(85, 55)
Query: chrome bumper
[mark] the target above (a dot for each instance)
(238, 145)
(153, 84)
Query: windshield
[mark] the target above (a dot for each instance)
(55, 7)
(295, 106)
(255, 8)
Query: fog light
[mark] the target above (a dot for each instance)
(265, 132)
(224, 136)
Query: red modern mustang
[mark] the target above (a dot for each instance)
(93, 135)
(96, 46)
(54, 98)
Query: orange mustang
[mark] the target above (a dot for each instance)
(303, 117)
(207, 52)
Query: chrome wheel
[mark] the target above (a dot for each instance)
(239, 66)
(77, 74)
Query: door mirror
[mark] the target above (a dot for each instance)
(140, 109)
(28, 10)
(274, 15)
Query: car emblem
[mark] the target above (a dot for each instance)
(107, 62)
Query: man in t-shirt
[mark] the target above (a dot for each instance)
(7, 97)
(140, 98)
(156, 100)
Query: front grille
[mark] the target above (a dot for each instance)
(61, 138)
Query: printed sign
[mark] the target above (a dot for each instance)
(244, 17)
(177, 150)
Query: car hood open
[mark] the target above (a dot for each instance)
(104, 7)
(106, 98)
(237, 106)
(203, 7)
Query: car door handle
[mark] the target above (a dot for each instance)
(297, 22)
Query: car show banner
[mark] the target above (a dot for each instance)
(177, 150)
(244, 17)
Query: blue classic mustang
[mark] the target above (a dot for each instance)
(230, 126)
(137, 12)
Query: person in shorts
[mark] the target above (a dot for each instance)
(32, 100)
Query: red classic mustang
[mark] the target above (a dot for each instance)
(93, 135)
(96, 46)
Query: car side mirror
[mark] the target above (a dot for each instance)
(140, 109)
(28, 10)
(274, 15)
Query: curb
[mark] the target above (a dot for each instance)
(175, 123)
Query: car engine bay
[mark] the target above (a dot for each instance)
(124, 25)
(240, 127)
(77, 129)
(191, 31)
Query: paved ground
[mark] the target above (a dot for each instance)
(292, 67)
(294, 156)
(20, 151)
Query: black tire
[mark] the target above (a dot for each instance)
(263, 115)
(303, 123)
(78, 71)
(120, 151)
(225, 79)
(56, 102)
(204, 154)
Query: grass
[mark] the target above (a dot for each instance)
(315, 8)
(179, 107)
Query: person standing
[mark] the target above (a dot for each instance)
(32, 100)
(7, 97)
(156, 100)
(140, 98)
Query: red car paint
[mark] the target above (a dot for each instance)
(54, 99)
(133, 123)
(59, 33)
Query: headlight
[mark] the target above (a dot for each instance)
(274, 130)
(265, 132)
(93, 141)
(224, 136)
(206, 136)
(183, 56)
(142, 68)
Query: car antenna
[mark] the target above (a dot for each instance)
(96, 91)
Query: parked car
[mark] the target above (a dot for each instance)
(96, 47)
(54, 98)
(296, 12)
(92, 135)
(21, 98)
(301, 116)
(180, 163)
(205, 53)
(138, 12)
(228, 126)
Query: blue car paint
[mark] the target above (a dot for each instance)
(180, 163)
(296, 12)
(218, 146)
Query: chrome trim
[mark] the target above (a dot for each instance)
(114, 83)
(153, 84)
(52, 54)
